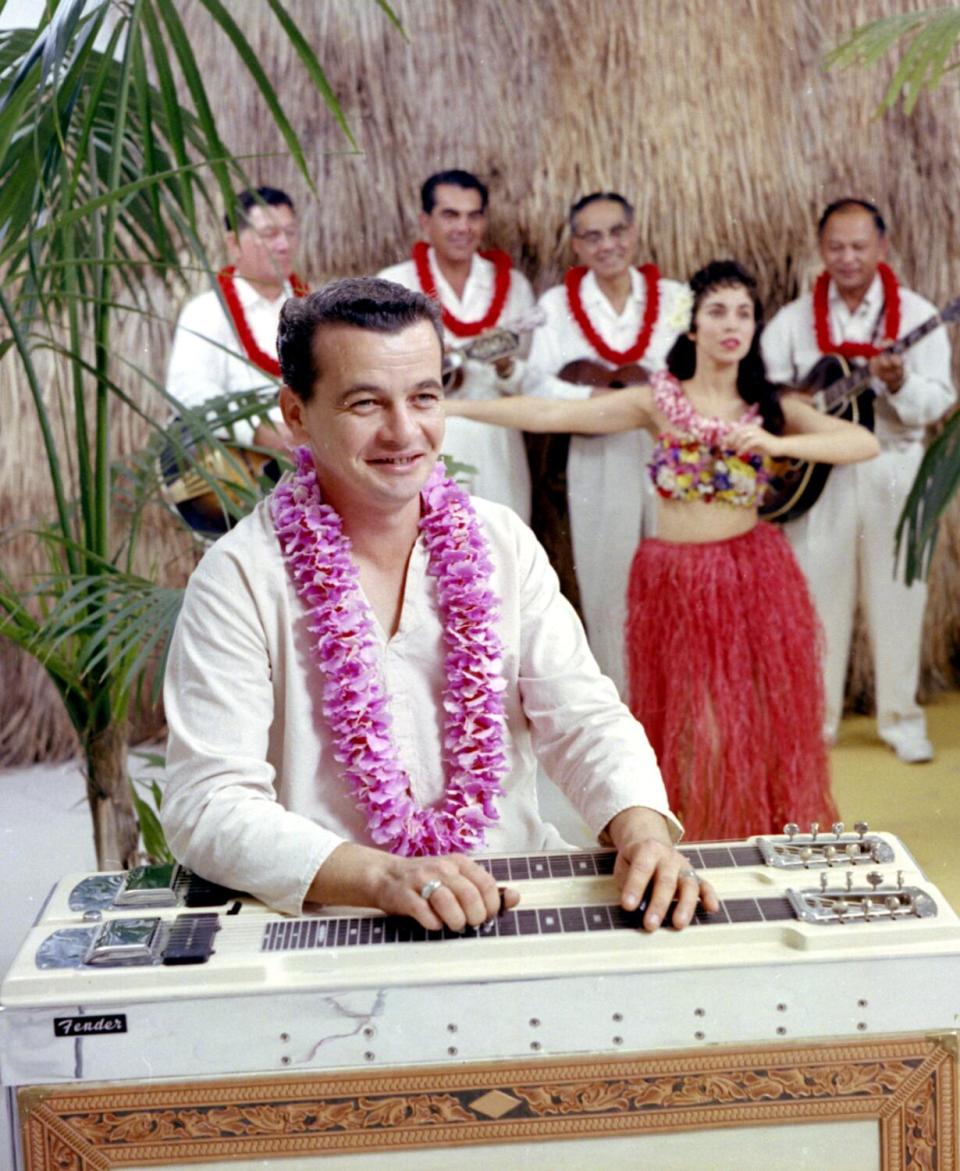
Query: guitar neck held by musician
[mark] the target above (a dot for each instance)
(836, 388)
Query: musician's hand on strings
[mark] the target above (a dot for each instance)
(889, 369)
(449, 891)
(646, 857)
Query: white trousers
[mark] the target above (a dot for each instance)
(500, 458)
(607, 487)
(845, 546)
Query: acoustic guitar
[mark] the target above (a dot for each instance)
(837, 389)
(237, 471)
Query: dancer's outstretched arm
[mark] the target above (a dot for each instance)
(615, 410)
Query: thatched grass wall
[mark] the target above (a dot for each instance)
(716, 116)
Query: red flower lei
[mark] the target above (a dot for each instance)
(821, 318)
(651, 275)
(501, 288)
(225, 279)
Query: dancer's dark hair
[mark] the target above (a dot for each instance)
(753, 385)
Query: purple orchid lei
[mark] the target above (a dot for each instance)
(317, 553)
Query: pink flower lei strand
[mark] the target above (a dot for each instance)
(682, 414)
(317, 553)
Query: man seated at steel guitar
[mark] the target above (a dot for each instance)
(368, 668)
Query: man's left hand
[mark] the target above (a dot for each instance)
(646, 857)
(889, 369)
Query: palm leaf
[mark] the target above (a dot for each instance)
(924, 61)
(938, 479)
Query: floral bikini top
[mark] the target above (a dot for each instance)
(690, 461)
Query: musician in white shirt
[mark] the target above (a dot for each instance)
(216, 352)
(284, 778)
(479, 291)
(845, 543)
(615, 314)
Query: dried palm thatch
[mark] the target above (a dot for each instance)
(718, 119)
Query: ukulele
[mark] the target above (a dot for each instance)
(488, 347)
(835, 388)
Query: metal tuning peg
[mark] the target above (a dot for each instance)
(805, 854)
(861, 827)
(837, 829)
(899, 880)
(875, 878)
(823, 881)
(830, 854)
(849, 877)
(790, 829)
(892, 903)
(814, 829)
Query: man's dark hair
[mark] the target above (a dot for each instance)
(428, 192)
(843, 205)
(365, 302)
(254, 197)
(753, 386)
(597, 197)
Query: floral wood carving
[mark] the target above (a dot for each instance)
(907, 1085)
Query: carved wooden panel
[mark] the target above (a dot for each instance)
(907, 1085)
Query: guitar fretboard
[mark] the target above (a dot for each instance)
(361, 931)
(860, 376)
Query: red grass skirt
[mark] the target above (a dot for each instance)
(723, 653)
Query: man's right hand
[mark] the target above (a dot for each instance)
(449, 891)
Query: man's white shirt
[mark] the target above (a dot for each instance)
(610, 500)
(207, 360)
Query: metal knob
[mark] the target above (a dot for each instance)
(814, 829)
(861, 827)
(875, 878)
(837, 828)
(790, 829)
(830, 853)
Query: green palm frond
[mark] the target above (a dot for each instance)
(933, 36)
(110, 160)
(937, 482)
(112, 625)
